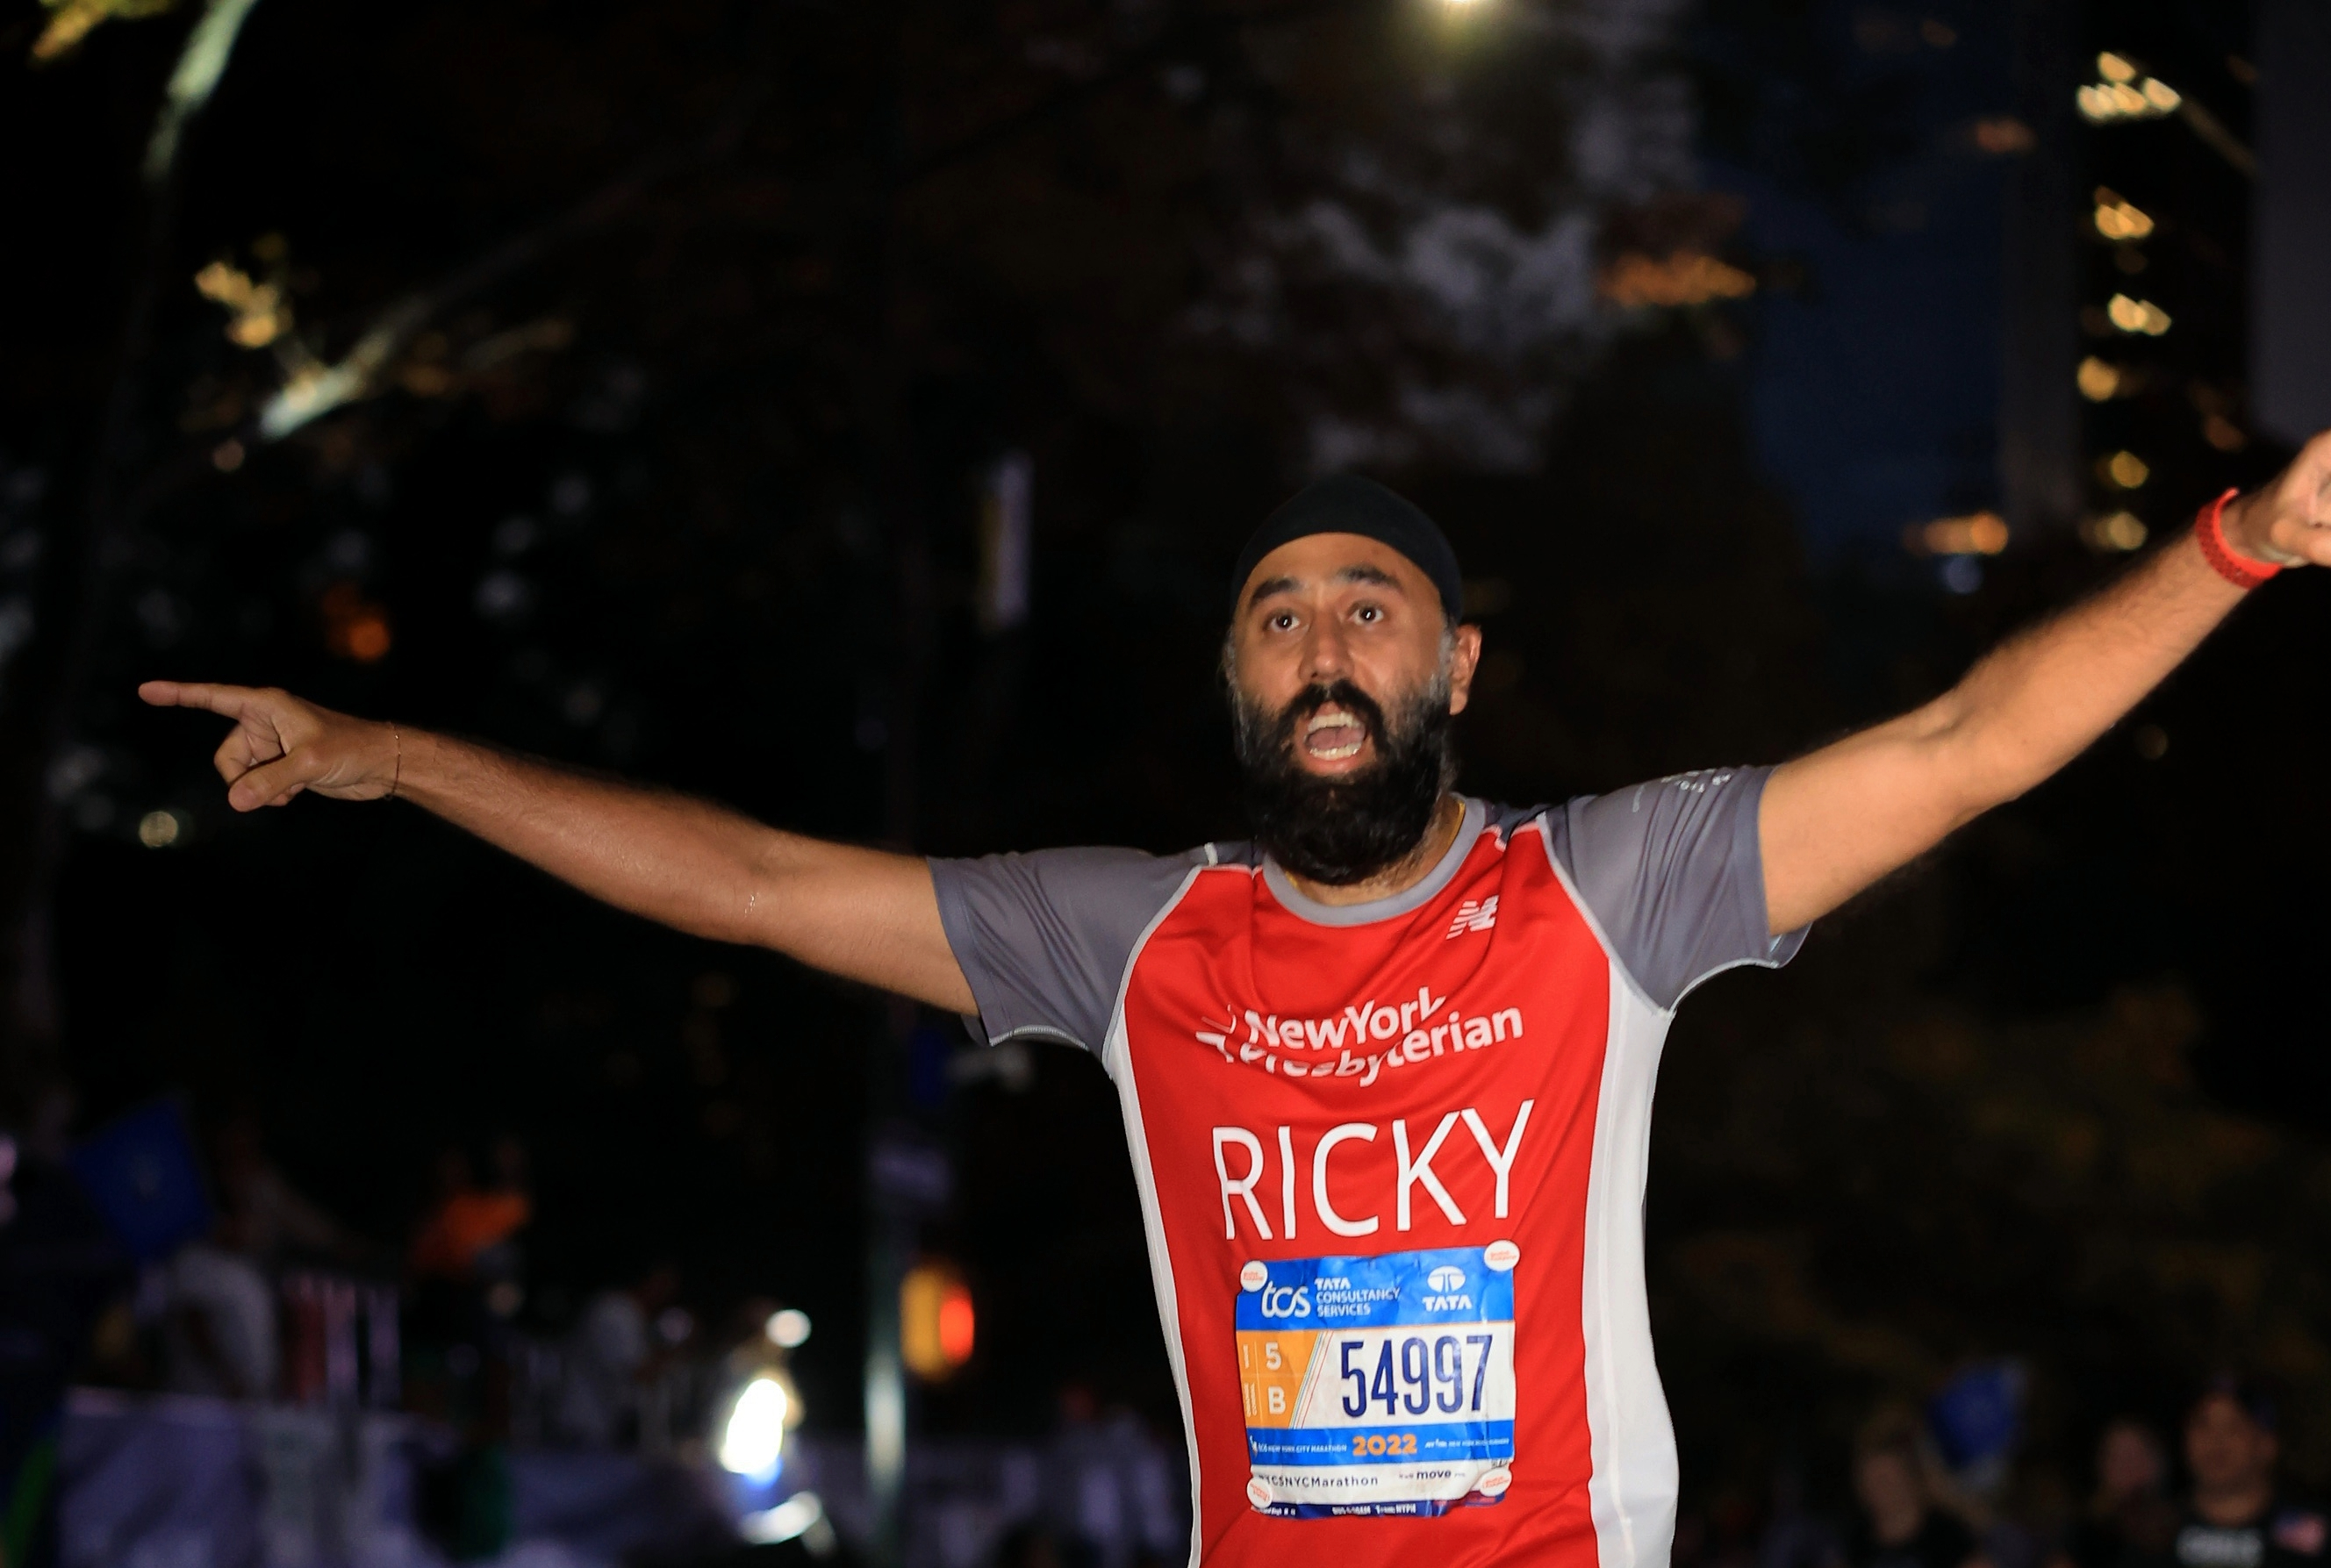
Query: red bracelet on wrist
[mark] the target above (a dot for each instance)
(2210, 533)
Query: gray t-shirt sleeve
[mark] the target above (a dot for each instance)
(1044, 938)
(1674, 873)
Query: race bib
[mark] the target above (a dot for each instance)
(1379, 1385)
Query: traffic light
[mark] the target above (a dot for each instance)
(936, 1321)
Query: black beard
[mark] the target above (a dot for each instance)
(1342, 830)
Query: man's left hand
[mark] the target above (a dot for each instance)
(2289, 522)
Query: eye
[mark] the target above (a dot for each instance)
(1281, 621)
(1371, 614)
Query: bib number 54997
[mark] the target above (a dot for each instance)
(1423, 1373)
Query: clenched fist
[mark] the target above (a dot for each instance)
(2289, 522)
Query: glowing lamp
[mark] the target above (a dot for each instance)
(1976, 534)
(937, 1325)
(787, 1329)
(754, 1435)
(2137, 317)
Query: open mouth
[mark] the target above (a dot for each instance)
(1332, 734)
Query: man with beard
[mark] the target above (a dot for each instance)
(1386, 1070)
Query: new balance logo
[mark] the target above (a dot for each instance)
(1473, 915)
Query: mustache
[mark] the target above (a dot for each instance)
(1309, 701)
(1343, 830)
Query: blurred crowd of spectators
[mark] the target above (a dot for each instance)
(277, 1299)
(267, 1297)
(2209, 1494)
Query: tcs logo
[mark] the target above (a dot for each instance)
(1278, 1300)
(1286, 1301)
(1445, 1279)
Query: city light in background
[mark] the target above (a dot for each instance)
(2113, 533)
(2136, 317)
(1980, 533)
(2124, 93)
(2117, 219)
(2101, 380)
(753, 1436)
(2165, 221)
(2124, 470)
(1685, 278)
(801, 1516)
(936, 1323)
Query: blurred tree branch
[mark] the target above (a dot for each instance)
(1173, 207)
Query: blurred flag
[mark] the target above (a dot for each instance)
(140, 1172)
(1978, 1419)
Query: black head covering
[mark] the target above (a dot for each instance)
(1348, 504)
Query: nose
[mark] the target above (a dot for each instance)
(1326, 657)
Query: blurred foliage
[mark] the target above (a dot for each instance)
(1858, 1202)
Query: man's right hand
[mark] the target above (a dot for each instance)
(281, 746)
(866, 914)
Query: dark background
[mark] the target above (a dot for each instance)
(730, 306)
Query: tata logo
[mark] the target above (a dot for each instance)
(1445, 1278)
(1286, 1301)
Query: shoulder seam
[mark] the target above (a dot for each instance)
(1577, 898)
(1133, 957)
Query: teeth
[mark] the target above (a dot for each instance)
(1345, 746)
(1349, 747)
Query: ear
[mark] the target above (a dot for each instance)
(1464, 658)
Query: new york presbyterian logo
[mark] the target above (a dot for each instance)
(1473, 915)
(1403, 1034)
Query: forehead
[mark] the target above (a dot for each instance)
(2221, 1409)
(1322, 561)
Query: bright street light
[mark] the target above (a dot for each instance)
(755, 1433)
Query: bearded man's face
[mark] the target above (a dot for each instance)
(1344, 829)
(1344, 678)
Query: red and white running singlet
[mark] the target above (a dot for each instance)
(1391, 1159)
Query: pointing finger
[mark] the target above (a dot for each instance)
(227, 700)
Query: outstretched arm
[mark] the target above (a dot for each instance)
(862, 914)
(1836, 821)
